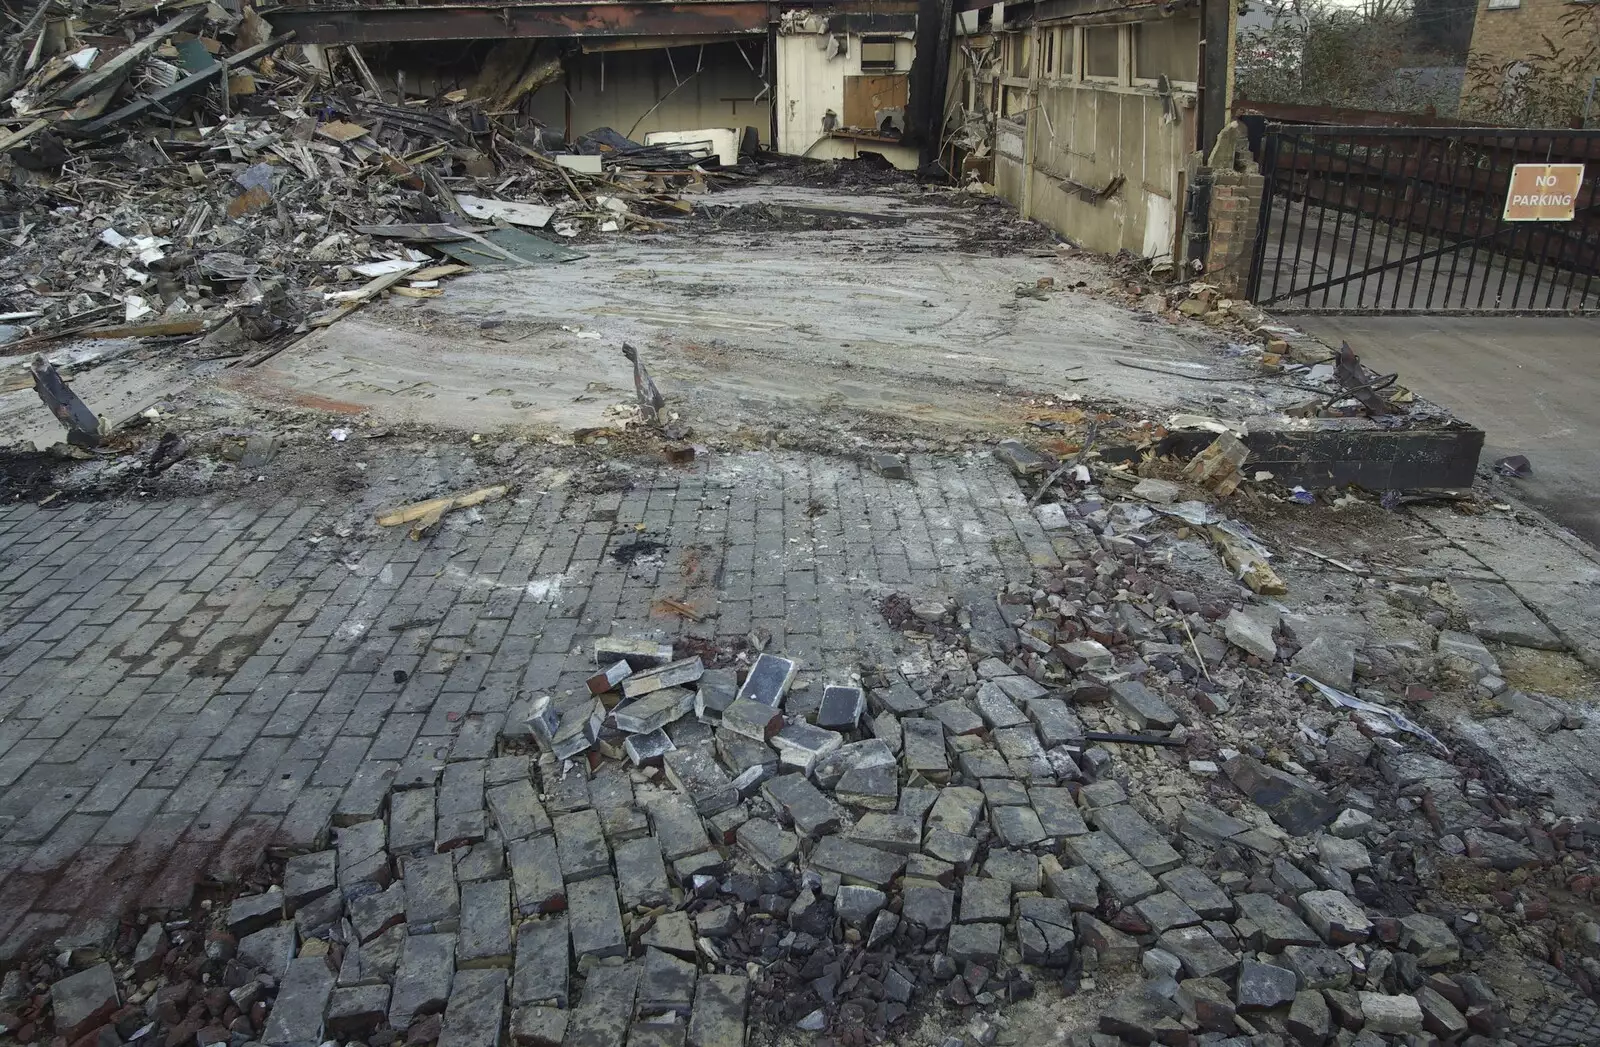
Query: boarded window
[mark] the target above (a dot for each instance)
(1170, 48)
(1065, 66)
(877, 54)
(1101, 51)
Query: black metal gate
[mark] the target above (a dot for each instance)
(1408, 219)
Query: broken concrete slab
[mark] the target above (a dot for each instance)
(1296, 805)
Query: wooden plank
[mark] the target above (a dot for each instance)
(865, 95)
(92, 81)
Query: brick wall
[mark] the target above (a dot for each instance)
(1511, 34)
(1235, 211)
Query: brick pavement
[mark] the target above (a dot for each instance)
(185, 686)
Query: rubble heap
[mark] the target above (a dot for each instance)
(169, 170)
(1096, 776)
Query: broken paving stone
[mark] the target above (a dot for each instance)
(1135, 1015)
(1199, 892)
(82, 1001)
(432, 901)
(536, 875)
(1345, 855)
(1276, 927)
(296, 1018)
(1209, 1003)
(1327, 659)
(856, 904)
(373, 913)
(602, 1016)
(718, 1018)
(1143, 842)
(1262, 986)
(855, 862)
(842, 708)
(1021, 869)
(517, 811)
(698, 775)
(594, 919)
(1495, 612)
(671, 675)
(897, 698)
(1391, 1015)
(994, 706)
(641, 874)
(676, 826)
(1146, 710)
(985, 900)
(307, 877)
(768, 844)
(769, 680)
(1021, 459)
(1406, 768)
(812, 813)
(1077, 886)
(975, 943)
(422, 981)
(1440, 1016)
(1316, 967)
(801, 745)
(667, 984)
(890, 832)
(362, 854)
(581, 844)
(957, 718)
(1165, 911)
(875, 788)
(579, 730)
(647, 750)
(538, 1027)
(1429, 939)
(639, 653)
(476, 1009)
(1202, 955)
(485, 939)
(957, 810)
(1463, 653)
(673, 933)
(1113, 948)
(927, 906)
(356, 1012)
(270, 949)
(754, 720)
(542, 962)
(654, 711)
(948, 847)
(923, 751)
(1088, 656)
(1055, 721)
(1335, 917)
(1310, 1020)
(1251, 634)
(1017, 826)
(607, 679)
(255, 912)
(1297, 806)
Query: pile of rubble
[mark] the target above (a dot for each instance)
(171, 171)
(1131, 777)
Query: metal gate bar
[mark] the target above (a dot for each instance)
(1403, 199)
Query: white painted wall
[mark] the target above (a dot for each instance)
(810, 83)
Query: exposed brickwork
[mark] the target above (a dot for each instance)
(1508, 35)
(1235, 213)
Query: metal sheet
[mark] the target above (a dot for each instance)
(516, 247)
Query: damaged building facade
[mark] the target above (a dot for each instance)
(819, 82)
(1088, 118)
(1091, 118)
